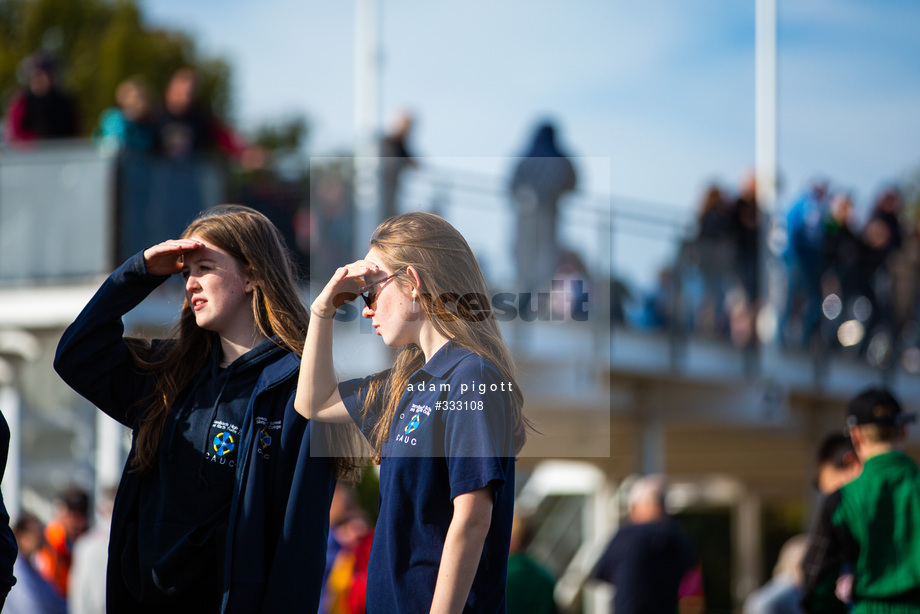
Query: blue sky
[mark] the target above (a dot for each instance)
(664, 89)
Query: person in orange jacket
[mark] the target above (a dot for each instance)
(54, 558)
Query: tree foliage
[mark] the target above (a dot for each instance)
(287, 134)
(99, 43)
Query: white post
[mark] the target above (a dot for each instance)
(367, 119)
(12, 411)
(606, 520)
(110, 452)
(765, 104)
(747, 545)
(765, 162)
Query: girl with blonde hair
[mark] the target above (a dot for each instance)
(445, 422)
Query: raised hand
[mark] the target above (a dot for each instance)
(166, 257)
(343, 287)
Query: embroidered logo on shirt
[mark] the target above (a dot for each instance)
(418, 412)
(224, 444)
(413, 424)
(420, 409)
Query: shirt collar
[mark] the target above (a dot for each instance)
(444, 360)
(885, 459)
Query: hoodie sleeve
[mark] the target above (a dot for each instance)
(92, 356)
(300, 550)
(8, 547)
(279, 527)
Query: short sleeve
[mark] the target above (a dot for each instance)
(354, 396)
(478, 429)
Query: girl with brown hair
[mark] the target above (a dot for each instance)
(445, 422)
(221, 506)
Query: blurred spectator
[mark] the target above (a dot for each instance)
(130, 124)
(714, 253)
(7, 539)
(882, 237)
(540, 179)
(864, 552)
(42, 110)
(32, 593)
(647, 559)
(659, 305)
(745, 222)
(530, 587)
(54, 558)
(805, 260)
(782, 593)
(883, 230)
(576, 284)
(844, 249)
(691, 596)
(904, 268)
(395, 158)
(836, 462)
(185, 129)
(350, 537)
(620, 296)
(330, 223)
(90, 558)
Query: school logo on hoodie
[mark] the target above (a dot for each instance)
(224, 444)
(268, 434)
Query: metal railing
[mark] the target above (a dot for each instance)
(70, 210)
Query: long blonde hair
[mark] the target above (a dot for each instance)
(454, 297)
(257, 245)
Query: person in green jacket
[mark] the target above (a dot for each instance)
(865, 552)
(530, 587)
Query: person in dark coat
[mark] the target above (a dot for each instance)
(43, 110)
(540, 179)
(395, 159)
(647, 559)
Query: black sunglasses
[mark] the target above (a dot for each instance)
(369, 292)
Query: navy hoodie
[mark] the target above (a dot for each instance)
(8, 547)
(236, 511)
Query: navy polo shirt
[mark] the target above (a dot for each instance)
(452, 435)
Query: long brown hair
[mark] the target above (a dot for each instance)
(447, 267)
(257, 245)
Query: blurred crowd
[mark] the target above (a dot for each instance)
(60, 565)
(175, 125)
(840, 281)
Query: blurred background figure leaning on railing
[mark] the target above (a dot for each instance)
(540, 179)
(42, 109)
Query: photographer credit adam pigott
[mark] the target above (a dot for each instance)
(481, 388)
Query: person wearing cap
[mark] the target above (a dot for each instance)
(871, 524)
